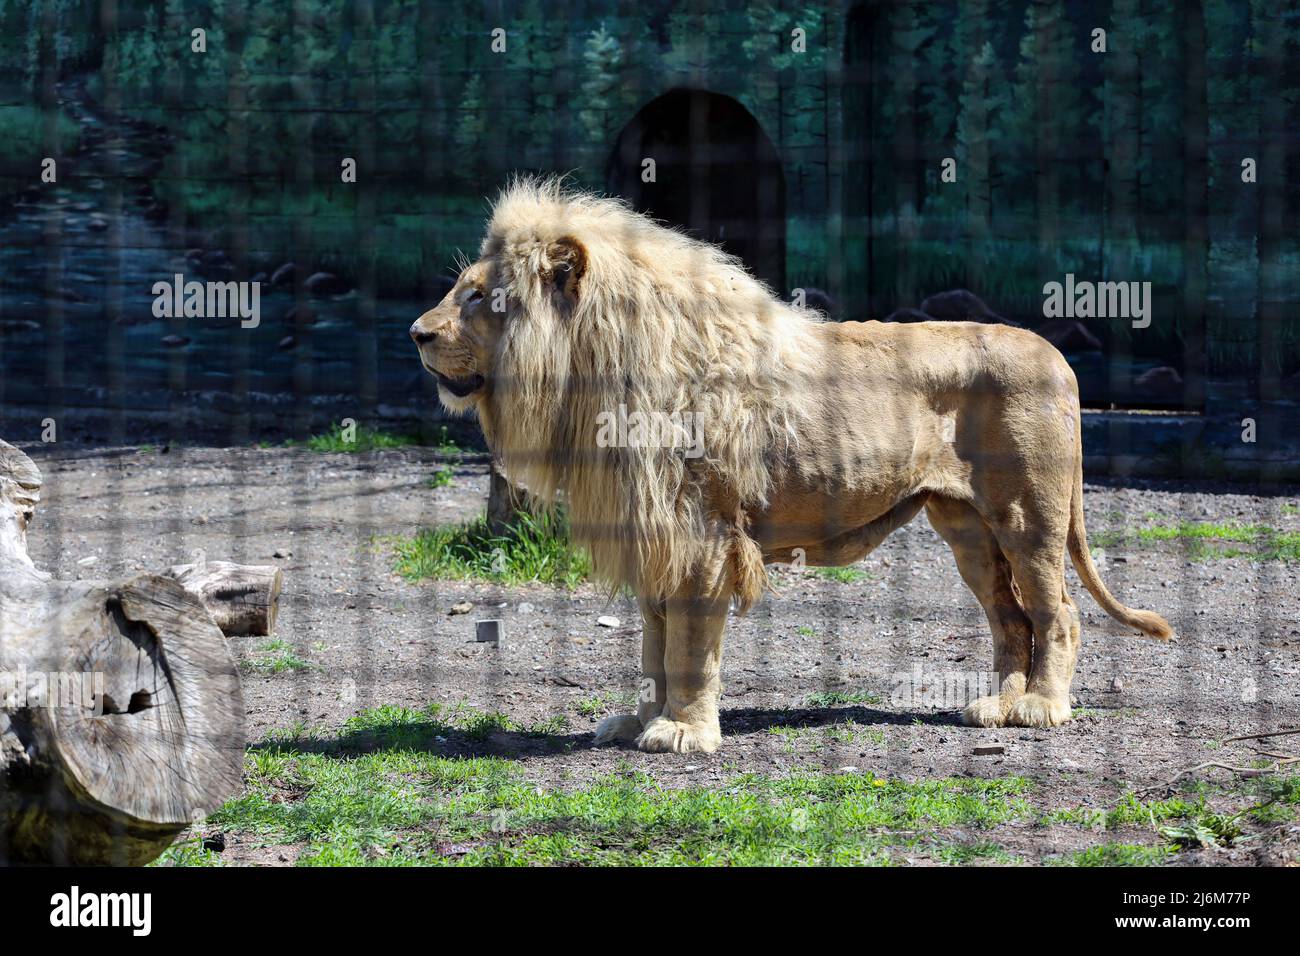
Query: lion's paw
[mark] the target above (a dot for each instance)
(662, 735)
(1035, 710)
(618, 727)
(985, 712)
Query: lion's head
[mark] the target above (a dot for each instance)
(579, 311)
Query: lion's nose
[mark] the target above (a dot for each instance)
(420, 335)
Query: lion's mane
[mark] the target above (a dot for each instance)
(663, 324)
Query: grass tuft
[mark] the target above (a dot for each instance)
(276, 657)
(848, 575)
(1117, 854)
(536, 548)
(362, 440)
(1213, 540)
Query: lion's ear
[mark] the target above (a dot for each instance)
(568, 263)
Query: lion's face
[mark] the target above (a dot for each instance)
(458, 338)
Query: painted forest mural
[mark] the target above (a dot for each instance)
(1161, 150)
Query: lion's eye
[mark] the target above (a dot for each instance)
(475, 297)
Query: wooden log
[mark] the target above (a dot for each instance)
(121, 713)
(242, 598)
(506, 502)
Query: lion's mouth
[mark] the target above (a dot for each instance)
(460, 387)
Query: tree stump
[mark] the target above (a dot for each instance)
(505, 503)
(242, 598)
(121, 714)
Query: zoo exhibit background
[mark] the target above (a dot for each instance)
(819, 168)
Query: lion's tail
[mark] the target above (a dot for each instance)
(1148, 622)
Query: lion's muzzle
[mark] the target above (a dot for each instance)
(420, 335)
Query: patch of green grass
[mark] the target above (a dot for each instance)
(536, 548)
(445, 444)
(805, 631)
(1290, 510)
(817, 737)
(1117, 854)
(964, 854)
(354, 439)
(791, 734)
(276, 657)
(1277, 798)
(848, 575)
(441, 478)
(624, 702)
(1204, 829)
(1214, 540)
(188, 853)
(1128, 811)
(1188, 820)
(404, 804)
(836, 698)
(1084, 712)
(850, 731)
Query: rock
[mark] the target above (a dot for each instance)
(285, 274)
(215, 843)
(908, 315)
(989, 750)
(174, 341)
(1069, 335)
(463, 607)
(1162, 378)
(325, 283)
(960, 305)
(607, 621)
(819, 300)
(1116, 686)
(487, 632)
(299, 315)
(282, 553)
(87, 561)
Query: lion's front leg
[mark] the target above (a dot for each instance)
(688, 720)
(652, 691)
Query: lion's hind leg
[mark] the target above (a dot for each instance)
(986, 572)
(1040, 577)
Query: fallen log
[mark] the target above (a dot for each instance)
(121, 714)
(242, 598)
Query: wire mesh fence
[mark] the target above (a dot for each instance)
(220, 220)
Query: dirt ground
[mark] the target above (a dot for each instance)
(372, 638)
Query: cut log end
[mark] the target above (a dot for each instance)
(242, 598)
(121, 713)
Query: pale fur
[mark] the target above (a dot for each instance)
(664, 324)
(820, 439)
